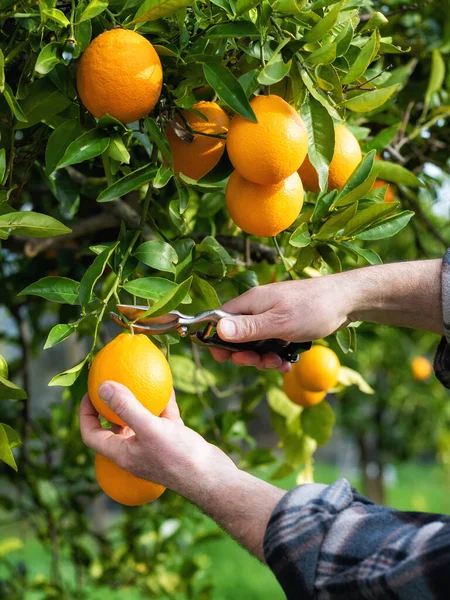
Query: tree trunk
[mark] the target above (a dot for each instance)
(372, 470)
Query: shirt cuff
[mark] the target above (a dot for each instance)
(442, 358)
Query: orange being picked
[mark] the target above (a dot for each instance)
(389, 197)
(264, 210)
(296, 394)
(122, 486)
(120, 74)
(194, 159)
(272, 149)
(346, 157)
(421, 368)
(317, 369)
(134, 361)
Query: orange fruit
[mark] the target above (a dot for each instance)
(317, 369)
(389, 197)
(346, 157)
(264, 210)
(421, 368)
(120, 74)
(194, 159)
(134, 361)
(122, 486)
(298, 395)
(272, 149)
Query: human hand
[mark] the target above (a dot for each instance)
(160, 449)
(295, 311)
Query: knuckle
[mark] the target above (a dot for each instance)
(119, 404)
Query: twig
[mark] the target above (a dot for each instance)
(258, 251)
(402, 129)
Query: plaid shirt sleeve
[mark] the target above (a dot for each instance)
(334, 544)
(442, 358)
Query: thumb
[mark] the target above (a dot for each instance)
(246, 328)
(126, 406)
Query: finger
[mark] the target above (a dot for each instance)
(254, 301)
(172, 411)
(246, 359)
(247, 328)
(101, 440)
(285, 367)
(271, 361)
(220, 354)
(126, 406)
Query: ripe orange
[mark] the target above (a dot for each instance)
(264, 210)
(194, 159)
(346, 157)
(298, 395)
(122, 486)
(421, 368)
(317, 369)
(137, 363)
(272, 149)
(120, 74)
(389, 197)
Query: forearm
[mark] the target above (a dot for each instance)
(406, 294)
(240, 503)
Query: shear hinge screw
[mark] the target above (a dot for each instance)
(182, 331)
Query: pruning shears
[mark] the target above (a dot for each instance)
(201, 328)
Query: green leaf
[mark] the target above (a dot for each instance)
(370, 100)
(151, 288)
(48, 494)
(87, 146)
(370, 256)
(364, 58)
(68, 377)
(320, 30)
(58, 141)
(32, 224)
(204, 295)
(54, 14)
(229, 90)
(151, 10)
(58, 334)
(117, 150)
(315, 93)
(8, 439)
(317, 422)
(158, 255)
(324, 55)
(162, 178)
(158, 138)
(437, 76)
(128, 183)
(369, 216)
(301, 236)
(93, 9)
(343, 39)
(10, 391)
(187, 377)
(43, 102)
(249, 82)
(3, 367)
(13, 104)
(377, 19)
(382, 139)
(360, 175)
(275, 70)
(243, 6)
(320, 128)
(348, 377)
(388, 227)
(397, 174)
(48, 57)
(54, 289)
(93, 274)
(170, 301)
(238, 29)
(2, 72)
(280, 403)
(344, 339)
(323, 203)
(336, 222)
(2, 164)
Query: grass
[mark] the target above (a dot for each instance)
(239, 575)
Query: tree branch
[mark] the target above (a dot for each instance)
(258, 252)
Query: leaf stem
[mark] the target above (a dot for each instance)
(283, 258)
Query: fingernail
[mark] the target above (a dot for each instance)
(105, 392)
(272, 366)
(228, 328)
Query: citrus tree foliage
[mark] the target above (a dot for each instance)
(92, 212)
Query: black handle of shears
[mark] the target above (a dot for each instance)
(290, 351)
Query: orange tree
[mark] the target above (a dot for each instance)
(94, 209)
